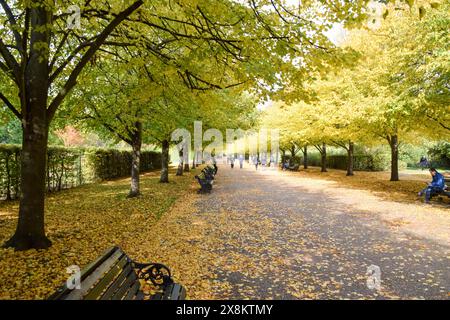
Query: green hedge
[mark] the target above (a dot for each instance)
(71, 167)
(361, 162)
(110, 164)
(377, 162)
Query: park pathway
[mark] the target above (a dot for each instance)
(281, 236)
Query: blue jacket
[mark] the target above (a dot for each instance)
(438, 181)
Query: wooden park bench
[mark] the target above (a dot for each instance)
(295, 167)
(206, 179)
(114, 276)
(446, 191)
(211, 170)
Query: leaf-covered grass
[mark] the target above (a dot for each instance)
(405, 190)
(82, 223)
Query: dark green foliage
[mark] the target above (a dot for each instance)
(440, 155)
(376, 162)
(109, 163)
(71, 167)
(361, 162)
(11, 132)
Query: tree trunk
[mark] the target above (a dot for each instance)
(30, 231)
(197, 161)
(136, 161)
(165, 162)
(291, 162)
(305, 157)
(181, 164)
(186, 163)
(324, 158)
(193, 160)
(283, 156)
(393, 142)
(33, 94)
(33, 81)
(350, 159)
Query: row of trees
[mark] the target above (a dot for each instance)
(396, 90)
(138, 70)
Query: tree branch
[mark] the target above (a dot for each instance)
(13, 23)
(58, 49)
(12, 64)
(439, 122)
(340, 144)
(71, 81)
(10, 106)
(319, 148)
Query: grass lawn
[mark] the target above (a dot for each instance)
(405, 190)
(83, 222)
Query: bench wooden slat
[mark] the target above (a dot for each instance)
(139, 296)
(96, 263)
(91, 279)
(133, 291)
(117, 283)
(63, 290)
(115, 276)
(125, 286)
(96, 292)
(178, 292)
(157, 296)
(173, 292)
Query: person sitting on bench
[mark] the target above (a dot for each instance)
(436, 186)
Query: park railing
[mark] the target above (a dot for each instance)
(71, 167)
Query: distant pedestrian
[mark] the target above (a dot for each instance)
(241, 161)
(263, 161)
(423, 163)
(256, 162)
(214, 163)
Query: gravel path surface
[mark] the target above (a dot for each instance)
(287, 237)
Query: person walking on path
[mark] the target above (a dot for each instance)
(263, 161)
(214, 163)
(241, 161)
(256, 162)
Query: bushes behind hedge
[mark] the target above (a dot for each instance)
(70, 167)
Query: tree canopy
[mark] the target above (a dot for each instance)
(396, 90)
